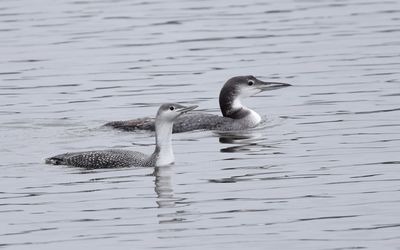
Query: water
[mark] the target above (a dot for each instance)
(321, 173)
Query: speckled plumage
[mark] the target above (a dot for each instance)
(115, 158)
(103, 159)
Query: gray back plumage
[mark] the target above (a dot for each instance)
(186, 122)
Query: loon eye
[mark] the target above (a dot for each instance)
(250, 82)
(171, 108)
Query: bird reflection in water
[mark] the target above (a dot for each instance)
(165, 195)
(243, 141)
(163, 186)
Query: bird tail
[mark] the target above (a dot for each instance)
(54, 160)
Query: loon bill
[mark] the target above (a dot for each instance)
(162, 155)
(236, 116)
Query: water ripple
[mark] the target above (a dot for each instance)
(320, 172)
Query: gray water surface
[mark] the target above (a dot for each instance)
(321, 172)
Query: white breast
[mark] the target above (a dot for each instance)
(253, 118)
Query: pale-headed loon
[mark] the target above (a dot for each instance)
(162, 155)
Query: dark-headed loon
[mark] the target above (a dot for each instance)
(236, 116)
(162, 155)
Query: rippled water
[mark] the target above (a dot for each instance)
(321, 173)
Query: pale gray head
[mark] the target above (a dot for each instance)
(170, 111)
(167, 113)
(239, 87)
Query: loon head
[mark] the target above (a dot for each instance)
(168, 112)
(166, 115)
(239, 87)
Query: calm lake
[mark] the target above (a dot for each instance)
(321, 172)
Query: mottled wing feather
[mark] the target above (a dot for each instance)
(184, 123)
(100, 159)
(145, 123)
(200, 121)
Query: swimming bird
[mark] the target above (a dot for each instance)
(113, 158)
(236, 116)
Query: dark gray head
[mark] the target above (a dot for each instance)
(171, 111)
(240, 87)
(246, 86)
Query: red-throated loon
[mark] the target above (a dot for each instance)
(236, 116)
(162, 155)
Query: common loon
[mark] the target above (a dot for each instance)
(236, 116)
(162, 155)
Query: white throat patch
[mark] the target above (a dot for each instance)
(164, 143)
(165, 157)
